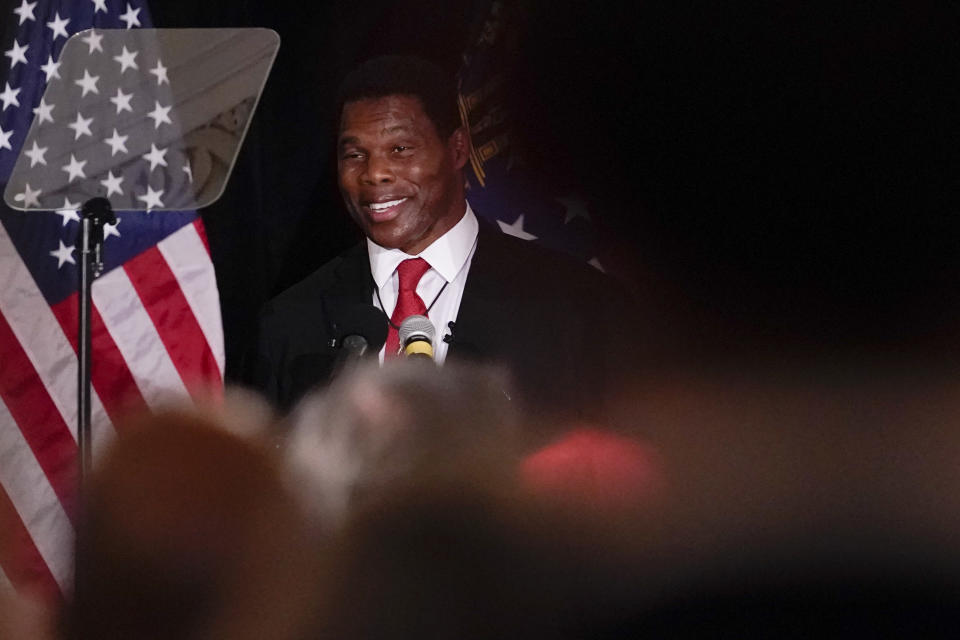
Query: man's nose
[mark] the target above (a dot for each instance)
(378, 171)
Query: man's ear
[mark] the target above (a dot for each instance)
(459, 147)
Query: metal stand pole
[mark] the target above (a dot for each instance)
(93, 216)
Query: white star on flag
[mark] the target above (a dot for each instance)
(161, 72)
(111, 230)
(112, 184)
(130, 17)
(5, 139)
(59, 26)
(156, 157)
(160, 115)
(151, 199)
(29, 197)
(575, 209)
(99, 5)
(93, 40)
(81, 126)
(88, 83)
(9, 97)
(68, 212)
(17, 54)
(516, 229)
(44, 112)
(63, 255)
(122, 101)
(68, 215)
(127, 59)
(75, 168)
(36, 154)
(51, 69)
(26, 11)
(117, 143)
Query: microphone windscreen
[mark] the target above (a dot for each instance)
(416, 327)
(363, 320)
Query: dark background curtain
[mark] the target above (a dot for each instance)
(790, 164)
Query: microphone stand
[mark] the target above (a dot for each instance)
(94, 214)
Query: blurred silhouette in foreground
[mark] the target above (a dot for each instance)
(779, 500)
(455, 559)
(377, 426)
(188, 531)
(771, 507)
(25, 617)
(594, 469)
(814, 499)
(756, 495)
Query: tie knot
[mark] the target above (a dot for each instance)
(410, 271)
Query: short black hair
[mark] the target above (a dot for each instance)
(405, 75)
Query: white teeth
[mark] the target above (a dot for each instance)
(380, 206)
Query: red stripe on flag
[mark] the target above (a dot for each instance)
(39, 420)
(111, 378)
(20, 558)
(202, 232)
(179, 330)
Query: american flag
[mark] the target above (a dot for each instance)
(156, 327)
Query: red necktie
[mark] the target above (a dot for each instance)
(408, 302)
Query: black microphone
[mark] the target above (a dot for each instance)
(360, 329)
(354, 332)
(416, 337)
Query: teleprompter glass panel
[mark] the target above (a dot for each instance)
(151, 119)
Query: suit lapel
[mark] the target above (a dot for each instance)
(349, 284)
(352, 281)
(482, 309)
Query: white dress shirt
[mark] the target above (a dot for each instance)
(449, 257)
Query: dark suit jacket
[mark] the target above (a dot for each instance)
(560, 326)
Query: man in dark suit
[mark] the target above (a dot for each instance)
(559, 326)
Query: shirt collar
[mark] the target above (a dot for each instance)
(446, 255)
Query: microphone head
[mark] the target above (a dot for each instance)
(355, 344)
(416, 336)
(416, 328)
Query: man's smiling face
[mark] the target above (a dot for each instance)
(401, 181)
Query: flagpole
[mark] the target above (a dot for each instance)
(94, 214)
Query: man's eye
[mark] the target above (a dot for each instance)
(400, 148)
(352, 155)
